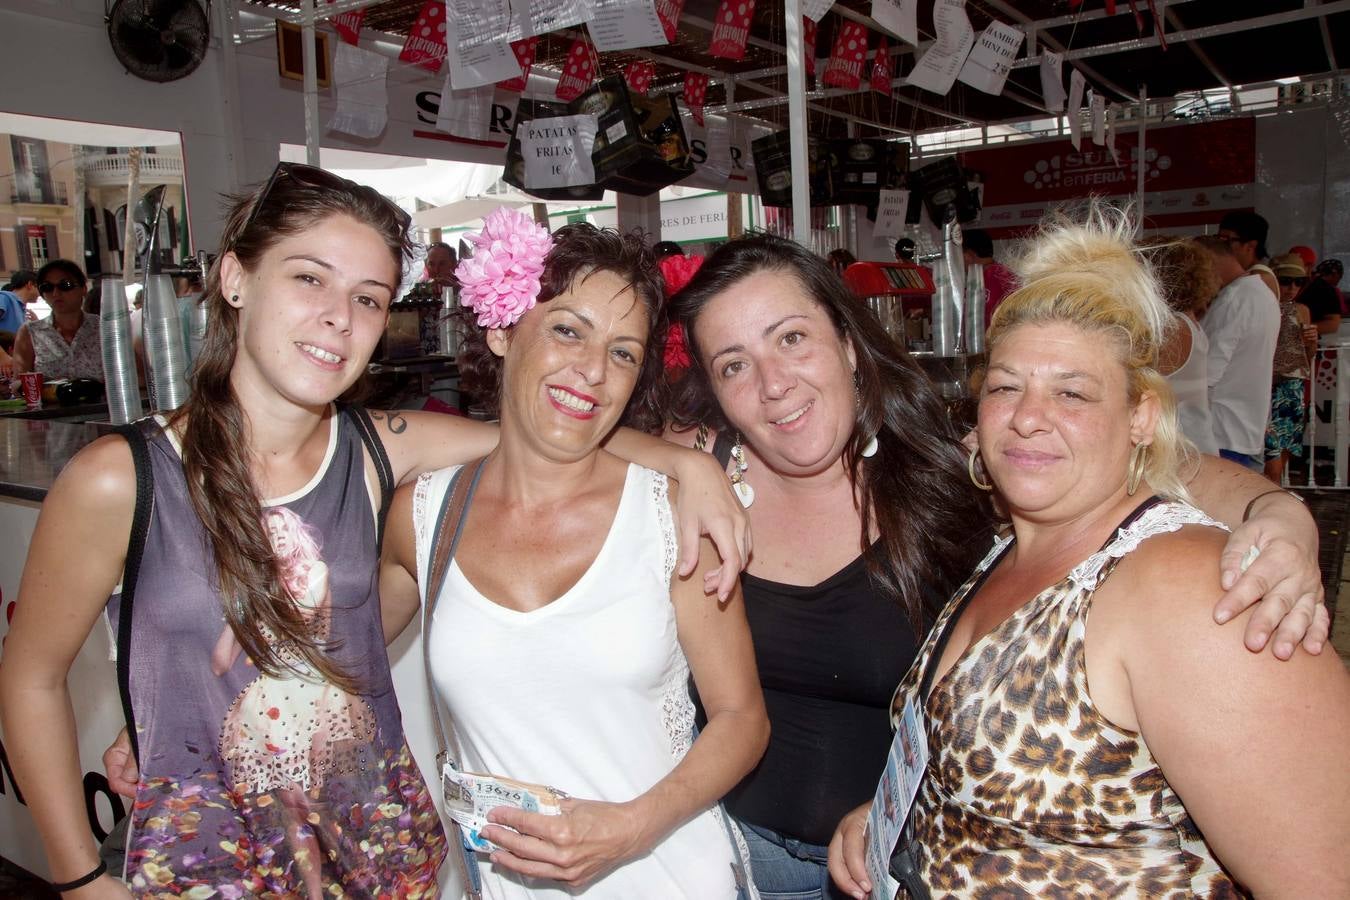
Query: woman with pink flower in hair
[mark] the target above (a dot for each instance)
(560, 638)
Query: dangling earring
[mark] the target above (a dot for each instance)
(974, 478)
(869, 449)
(744, 492)
(1138, 462)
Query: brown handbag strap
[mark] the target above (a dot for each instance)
(445, 541)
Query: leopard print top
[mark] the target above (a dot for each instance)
(1030, 791)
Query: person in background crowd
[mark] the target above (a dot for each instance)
(1305, 253)
(904, 250)
(1246, 232)
(66, 343)
(865, 517)
(1242, 324)
(999, 280)
(1188, 284)
(14, 312)
(1294, 347)
(24, 283)
(1091, 732)
(662, 249)
(441, 264)
(840, 259)
(1322, 297)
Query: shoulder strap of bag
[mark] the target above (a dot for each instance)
(445, 541)
(140, 524)
(383, 470)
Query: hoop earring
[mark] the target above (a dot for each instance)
(974, 478)
(1138, 462)
(744, 492)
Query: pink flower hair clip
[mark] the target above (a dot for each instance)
(500, 282)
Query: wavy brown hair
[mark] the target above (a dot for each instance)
(579, 251)
(216, 452)
(933, 523)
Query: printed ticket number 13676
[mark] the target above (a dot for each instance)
(895, 794)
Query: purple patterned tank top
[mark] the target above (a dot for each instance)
(260, 786)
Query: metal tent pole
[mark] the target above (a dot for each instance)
(1141, 162)
(796, 75)
(311, 86)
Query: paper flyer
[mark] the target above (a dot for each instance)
(557, 151)
(1076, 85)
(987, 67)
(1097, 103)
(937, 69)
(899, 17)
(891, 207)
(625, 24)
(895, 794)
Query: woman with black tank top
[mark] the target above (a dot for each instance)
(864, 519)
(272, 760)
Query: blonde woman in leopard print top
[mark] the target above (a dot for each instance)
(1091, 731)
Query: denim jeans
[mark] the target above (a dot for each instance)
(788, 869)
(1243, 459)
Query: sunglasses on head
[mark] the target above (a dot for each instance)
(316, 177)
(1286, 281)
(65, 284)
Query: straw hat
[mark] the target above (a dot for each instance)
(1290, 265)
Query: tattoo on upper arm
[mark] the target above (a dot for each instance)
(397, 423)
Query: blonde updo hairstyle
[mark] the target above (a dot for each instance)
(1085, 270)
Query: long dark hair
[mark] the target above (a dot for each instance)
(579, 251)
(216, 454)
(932, 521)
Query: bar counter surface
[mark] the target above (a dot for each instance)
(36, 450)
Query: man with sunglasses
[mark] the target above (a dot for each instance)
(66, 343)
(1246, 233)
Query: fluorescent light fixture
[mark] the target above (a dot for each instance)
(1293, 80)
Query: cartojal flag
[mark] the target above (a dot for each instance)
(881, 68)
(846, 60)
(669, 13)
(425, 46)
(639, 76)
(348, 25)
(809, 44)
(731, 28)
(524, 51)
(695, 92)
(578, 70)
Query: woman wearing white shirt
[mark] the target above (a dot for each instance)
(559, 639)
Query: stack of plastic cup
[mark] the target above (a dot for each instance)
(119, 359)
(449, 330)
(165, 350)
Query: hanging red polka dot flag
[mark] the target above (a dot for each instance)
(668, 11)
(578, 69)
(524, 51)
(809, 44)
(695, 92)
(731, 28)
(639, 76)
(425, 46)
(881, 68)
(846, 60)
(348, 25)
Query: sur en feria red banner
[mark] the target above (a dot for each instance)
(1195, 174)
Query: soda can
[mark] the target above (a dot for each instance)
(32, 389)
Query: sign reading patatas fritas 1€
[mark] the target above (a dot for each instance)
(557, 151)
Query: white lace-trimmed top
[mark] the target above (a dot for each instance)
(588, 694)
